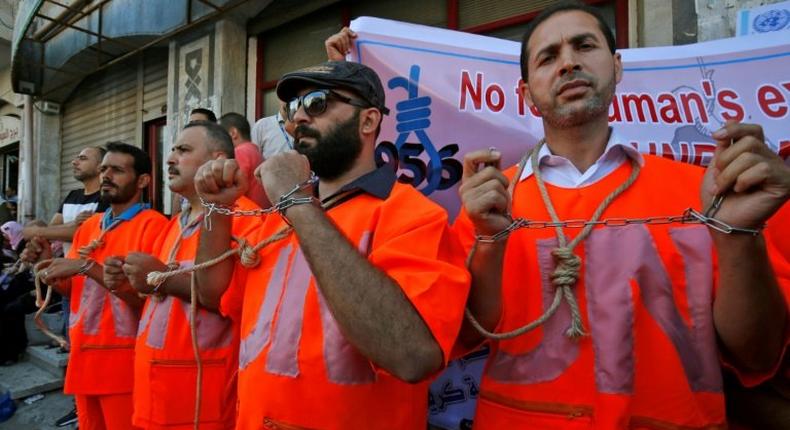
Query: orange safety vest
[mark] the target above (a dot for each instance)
(164, 361)
(102, 327)
(645, 293)
(296, 369)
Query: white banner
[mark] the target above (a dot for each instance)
(452, 92)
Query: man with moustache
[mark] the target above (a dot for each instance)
(350, 311)
(104, 318)
(165, 368)
(635, 319)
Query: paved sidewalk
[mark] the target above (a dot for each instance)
(42, 414)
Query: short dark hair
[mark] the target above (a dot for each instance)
(142, 162)
(218, 137)
(564, 6)
(101, 151)
(209, 114)
(237, 121)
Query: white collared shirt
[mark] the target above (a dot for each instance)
(270, 135)
(559, 171)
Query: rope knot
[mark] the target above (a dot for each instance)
(155, 278)
(566, 272)
(564, 279)
(95, 244)
(248, 255)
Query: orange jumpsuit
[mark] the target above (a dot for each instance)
(164, 362)
(102, 327)
(645, 292)
(296, 368)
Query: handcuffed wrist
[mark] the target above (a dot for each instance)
(86, 266)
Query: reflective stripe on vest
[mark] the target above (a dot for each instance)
(92, 301)
(213, 330)
(344, 364)
(615, 256)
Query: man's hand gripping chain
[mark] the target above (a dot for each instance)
(564, 256)
(689, 216)
(248, 255)
(283, 203)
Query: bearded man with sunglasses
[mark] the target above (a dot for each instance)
(360, 300)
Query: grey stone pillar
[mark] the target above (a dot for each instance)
(46, 167)
(230, 77)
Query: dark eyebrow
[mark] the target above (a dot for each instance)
(575, 40)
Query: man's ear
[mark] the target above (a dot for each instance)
(618, 67)
(143, 180)
(369, 120)
(526, 94)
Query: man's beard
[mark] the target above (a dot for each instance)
(83, 176)
(567, 116)
(122, 195)
(334, 154)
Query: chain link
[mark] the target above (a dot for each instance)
(286, 201)
(690, 216)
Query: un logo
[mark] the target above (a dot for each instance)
(771, 20)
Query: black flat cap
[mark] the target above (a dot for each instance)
(356, 77)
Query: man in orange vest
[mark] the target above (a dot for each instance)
(165, 368)
(632, 318)
(360, 299)
(104, 318)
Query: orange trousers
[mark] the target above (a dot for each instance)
(105, 412)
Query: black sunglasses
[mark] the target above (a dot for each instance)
(316, 102)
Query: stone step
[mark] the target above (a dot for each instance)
(49, 359)
(24, 379)
(35, 336)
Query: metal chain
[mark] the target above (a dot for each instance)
(690, 216)
(285, 201)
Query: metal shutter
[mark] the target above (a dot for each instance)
(433, 13)
(472, 13)
(101, 109)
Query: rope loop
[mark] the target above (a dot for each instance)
(43, 302)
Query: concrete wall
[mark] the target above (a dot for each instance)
(230, 59)
(678, 22)
(6, 92)
(46, 170)
(717, 18)
(648, 13)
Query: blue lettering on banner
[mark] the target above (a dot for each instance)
(413, 116)
(452, 397)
